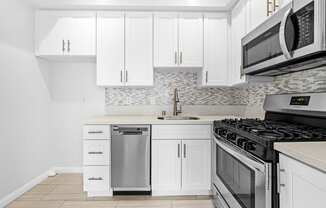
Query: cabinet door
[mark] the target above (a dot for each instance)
(166, 165)
(110, 49)
(82, 40)
(215, 50)
(139, 49)
(165, 39)
(191, 40)
(258, 13)
(302, 186)
(196, 165)
(238, 31)
(51, 28)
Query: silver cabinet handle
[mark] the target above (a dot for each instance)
(126, 76)
(175, 57)
(95, 132)
(121, 76)
(95, 153)
(63, 46)
(279, 184)
(95, 179)
(178, 150)
(180, 57)
(68, 45)
(184, 151)
(206, 77)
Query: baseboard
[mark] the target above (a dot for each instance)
(26, 187)
(68, 169)
(20, 191)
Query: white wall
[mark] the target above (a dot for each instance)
(75, 97)
(25, 147)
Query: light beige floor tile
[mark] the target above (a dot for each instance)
(144, 203)
(41, 189)
(31, 197)
(65, 197)
(192, 204)
(89, 204)
(67, 189)
(36, 204)
(104, 198)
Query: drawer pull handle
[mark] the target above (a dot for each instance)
(95, 132)
(95, 179)
(95, 153)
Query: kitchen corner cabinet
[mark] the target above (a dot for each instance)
(245, 16)
(178, 40)
(125, 49)
(181, 160)
(216, 31)
(300, 186)
(65, 33)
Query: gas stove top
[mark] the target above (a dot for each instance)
(288, 118)
(277, 131)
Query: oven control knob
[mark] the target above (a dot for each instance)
(231, 136)
(241, 142)
(250, 146)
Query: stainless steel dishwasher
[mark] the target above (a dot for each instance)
(130, 158)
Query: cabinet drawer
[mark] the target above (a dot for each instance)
(181, 132)
(97, 152)
(97, 178)
(97, 132)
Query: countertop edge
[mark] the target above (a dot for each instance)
(291, 150)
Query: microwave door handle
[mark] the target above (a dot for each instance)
(282, 35)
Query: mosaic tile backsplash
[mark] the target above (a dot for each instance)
(162, 92)
(191, 94)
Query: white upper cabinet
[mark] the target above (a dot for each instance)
(238, 31)
(178, 40)
(257, 13)
(61, 33)
(125, 49)
(215, 70)
(191, 40)
(110, 49)
(166, 40)
(139, 49)
(245, 16)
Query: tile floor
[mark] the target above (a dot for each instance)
(66, 191)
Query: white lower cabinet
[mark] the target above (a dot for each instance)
(300, 186)
(166, 165)
(96, 160)
(97, 180)
(180, 166)
(196, 164)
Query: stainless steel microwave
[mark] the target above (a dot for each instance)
(292, 39)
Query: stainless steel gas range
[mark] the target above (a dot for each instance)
(245, 165)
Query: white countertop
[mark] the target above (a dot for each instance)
(311, 153)
(150, 120)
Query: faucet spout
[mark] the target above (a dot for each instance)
(176, 103)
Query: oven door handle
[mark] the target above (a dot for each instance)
(282, 35)
(250, 161)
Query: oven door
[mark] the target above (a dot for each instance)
(242, 180)
(295, 31)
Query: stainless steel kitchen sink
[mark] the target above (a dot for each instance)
(177, 118)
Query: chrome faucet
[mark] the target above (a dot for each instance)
(176, 103)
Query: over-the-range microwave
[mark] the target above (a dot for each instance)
(292, 39)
